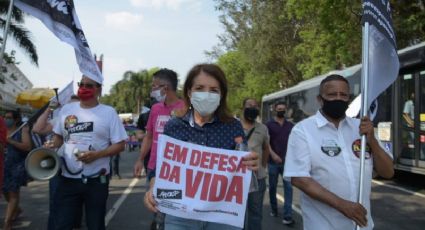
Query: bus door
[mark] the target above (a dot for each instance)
(411, 115)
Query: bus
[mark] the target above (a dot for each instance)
(400, 112)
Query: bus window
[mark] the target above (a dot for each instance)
(422, 115)
(408, 116)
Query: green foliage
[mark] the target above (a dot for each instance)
(131, 92)
(16, 31)
(268, 45)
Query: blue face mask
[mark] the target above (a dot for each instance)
(9, 122)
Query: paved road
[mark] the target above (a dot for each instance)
(392, 208)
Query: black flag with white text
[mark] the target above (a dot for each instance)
(383, 59)
(59, 16)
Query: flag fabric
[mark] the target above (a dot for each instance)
(64, 96)
(383, 59)
(60, 17)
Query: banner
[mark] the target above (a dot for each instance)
(383, 59)
(202, 183)
(59, 16)
(64, 96)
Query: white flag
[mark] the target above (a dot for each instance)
(59, 16)
(383, 59)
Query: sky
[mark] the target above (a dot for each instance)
(131, 35)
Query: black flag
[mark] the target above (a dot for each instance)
(383, 59)
(59, 16)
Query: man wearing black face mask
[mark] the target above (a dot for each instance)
(323, 161)
(258, 141)
(279, 130)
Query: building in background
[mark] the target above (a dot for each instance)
(12, 82)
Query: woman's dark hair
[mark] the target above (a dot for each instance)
(16, 115)
(215, 72)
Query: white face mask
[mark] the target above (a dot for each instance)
(157, 95)
(205, 102)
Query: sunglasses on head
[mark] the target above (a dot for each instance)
(87, 85)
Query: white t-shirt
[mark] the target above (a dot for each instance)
(330, 156)
(87, 129)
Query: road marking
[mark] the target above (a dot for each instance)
(398, 188)
(295, 208)
(119, 202)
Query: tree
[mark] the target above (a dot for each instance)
(128, 94)
(21, 35)
(286, 41)
(263, 35)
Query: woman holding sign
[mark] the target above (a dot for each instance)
(204, 121)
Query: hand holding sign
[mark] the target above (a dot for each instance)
(149, 200)
(251, 161)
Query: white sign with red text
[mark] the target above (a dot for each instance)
(202, 183)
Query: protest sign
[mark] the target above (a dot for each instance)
(202, 183)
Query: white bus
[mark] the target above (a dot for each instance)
(405, 139)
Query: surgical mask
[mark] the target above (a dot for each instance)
(157, 95)
(335, 108)
(250, 114)
(205, 102)
(9, 122)
(86, 93)
(280, 114)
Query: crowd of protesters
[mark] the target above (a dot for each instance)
(89, 134)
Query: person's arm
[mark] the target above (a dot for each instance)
(144, 150)
(42, 126)
(3, 135)
(25, 144)
(276, 158)
(382, 161)
(266, 153)
(149, 200)
(409, 121)
(90, 156)
(351, 210)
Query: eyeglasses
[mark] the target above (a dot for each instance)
(87, 85)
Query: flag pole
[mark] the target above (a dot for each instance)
(6, 31)
(364, 109)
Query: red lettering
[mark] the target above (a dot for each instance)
(218, 181)
(235, 190)
(205, 159)
(206, 186)
(222, 162)
(165, 170)
(180, 154)
(175, 175)
(192, 184)
(195, 158)
(233, 164)
(241, 167)
(214, 160)
(168, 149)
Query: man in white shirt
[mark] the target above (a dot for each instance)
(91, 133)
(323, 162)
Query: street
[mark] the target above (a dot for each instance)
(394, 206)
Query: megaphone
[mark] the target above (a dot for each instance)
(42, 163)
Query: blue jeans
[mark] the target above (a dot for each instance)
(274, 172)
(71, 194)
(254, 212)
(177, 223)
